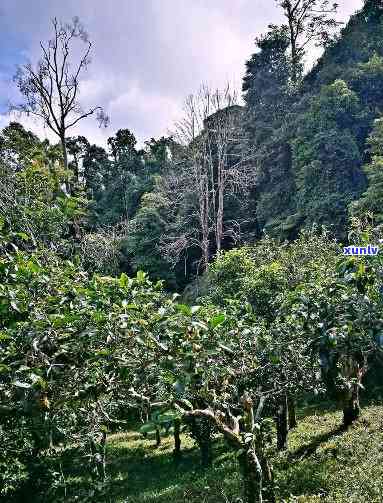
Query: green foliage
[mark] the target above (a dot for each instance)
(269, 98)
(229, 272)
(100, 252)
(266, 85)
(326, 157)
(144, 233)
(33, 201)
(17, 144)
(264, 273)
(85, 346)
(309, 146)
(366, 79)
(122, 146)
(370, 201)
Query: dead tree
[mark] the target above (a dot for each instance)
(51, 87)
(210, 169)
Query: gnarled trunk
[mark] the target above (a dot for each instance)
(282, 424)
(177, 438)
(252, 476)
(351, 409)
(98, 457)
(268, 479)
(353, 368)
(103, 456)
(206, 453)
(201, 431)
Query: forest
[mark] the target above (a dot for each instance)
(181, 321)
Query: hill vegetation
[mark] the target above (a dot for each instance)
(180, 322)
(323, 464)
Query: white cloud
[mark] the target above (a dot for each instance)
(148, 55)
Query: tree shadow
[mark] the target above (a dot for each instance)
(301, 471)
(140, 474)
(319, 409)
(308, 449)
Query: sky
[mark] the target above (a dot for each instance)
(147, 55)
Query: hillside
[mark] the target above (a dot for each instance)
(311, 147)
(323, 463)
(360, 38)
(209, 284)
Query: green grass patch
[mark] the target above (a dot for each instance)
(323, 463)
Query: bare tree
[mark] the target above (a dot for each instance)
(308, 21)
(51, 87)
(211, 168)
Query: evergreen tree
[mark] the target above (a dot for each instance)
(371, 199)
(327, 158)
(266, 85)
(17, 145)
(269, 99)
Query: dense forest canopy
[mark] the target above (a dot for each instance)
(196, 285)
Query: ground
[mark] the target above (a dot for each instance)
(323, 464)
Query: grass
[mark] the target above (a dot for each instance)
(323, 464)
(327, 464)
(138, 472)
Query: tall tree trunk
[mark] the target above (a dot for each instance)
(205, 254)
(268, 479)
(203, 216)
(205, 226)
(252, 476)
(219, 216)
(65, 160)
(65, 152)
(293, 44)
(292, 411)
(294, 65)
(76, 169)
(177, 438)
(282, 424)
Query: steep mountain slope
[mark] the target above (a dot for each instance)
(309, 165)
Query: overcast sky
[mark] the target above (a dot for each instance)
(148, 55)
